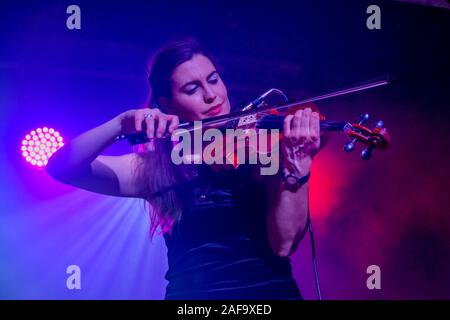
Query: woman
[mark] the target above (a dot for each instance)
(229, 233)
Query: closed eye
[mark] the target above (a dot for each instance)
(192, 90)
(213, 77)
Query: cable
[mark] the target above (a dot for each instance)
(313, 251)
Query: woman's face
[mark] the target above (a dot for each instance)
(198, 92)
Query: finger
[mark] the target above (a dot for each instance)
(314, 126)
(174, 122)
(150, 123)
(287, 126)
(304, 125)
(296, 123)
(162, 124)
(138, 118)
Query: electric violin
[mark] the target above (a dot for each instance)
(259, 116)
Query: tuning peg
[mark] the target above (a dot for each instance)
(366, 154)
(364, 117)
(379, 124)
(350, 146)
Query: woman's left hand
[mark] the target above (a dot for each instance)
(301, 141)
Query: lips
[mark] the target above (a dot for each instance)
(214, 110)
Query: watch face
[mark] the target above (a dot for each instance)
(291, 179)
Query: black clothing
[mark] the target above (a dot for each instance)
(219, 248)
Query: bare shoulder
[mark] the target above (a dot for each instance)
(124, 168)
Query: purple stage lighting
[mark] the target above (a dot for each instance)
(39, 145)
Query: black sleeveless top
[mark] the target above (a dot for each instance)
(219, 249)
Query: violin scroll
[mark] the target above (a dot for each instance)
(377, 138)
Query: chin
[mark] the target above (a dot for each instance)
(227, 109)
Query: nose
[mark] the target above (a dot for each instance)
(209, 95)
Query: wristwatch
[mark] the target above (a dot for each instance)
(293, 180)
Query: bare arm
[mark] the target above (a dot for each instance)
(80, 163)
(287, 216)
(288, 205)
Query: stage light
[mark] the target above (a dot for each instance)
(38, 146)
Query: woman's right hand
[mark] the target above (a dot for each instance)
(153, 121)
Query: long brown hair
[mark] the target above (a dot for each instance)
(160, 181)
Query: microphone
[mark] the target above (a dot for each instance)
(259, 101)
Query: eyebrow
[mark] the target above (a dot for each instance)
(196, 81)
